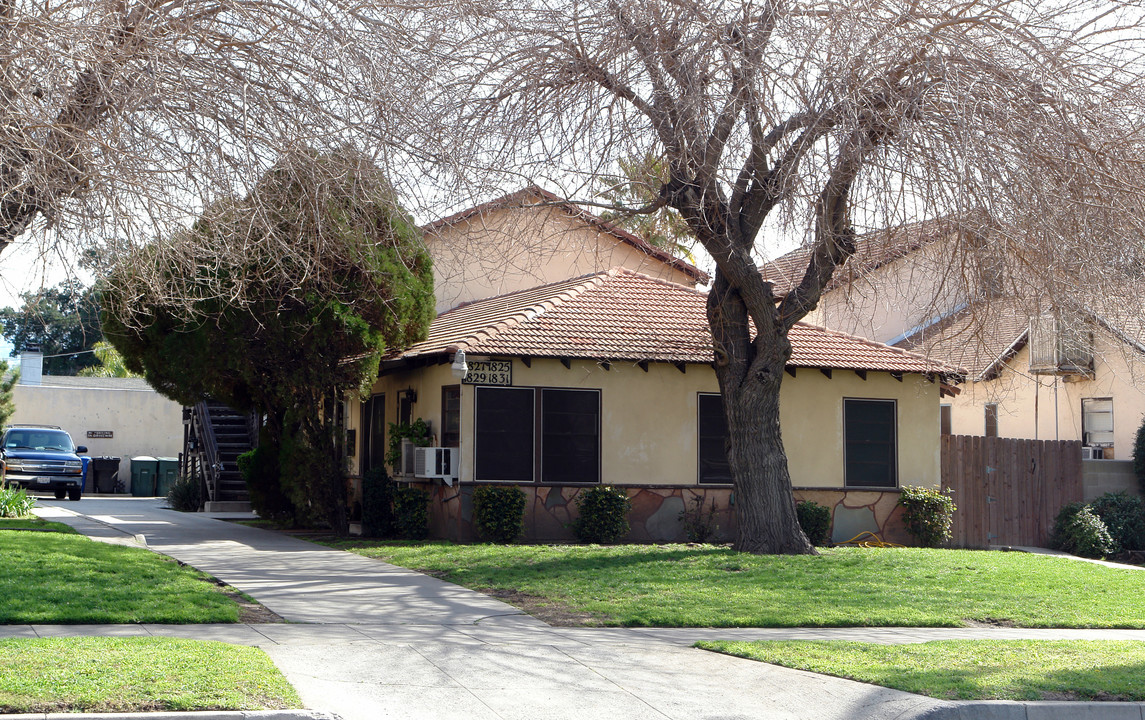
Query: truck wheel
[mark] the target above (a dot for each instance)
(73, 494)
(60, 494)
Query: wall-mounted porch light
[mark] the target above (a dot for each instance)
(460, 368)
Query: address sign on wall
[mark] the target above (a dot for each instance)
(489, 372)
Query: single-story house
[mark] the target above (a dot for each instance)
(607, 378)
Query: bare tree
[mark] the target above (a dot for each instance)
(1021, 120)
(120, 119)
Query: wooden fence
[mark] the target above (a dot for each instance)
(1008, 491)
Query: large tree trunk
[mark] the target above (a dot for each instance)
(750, 374)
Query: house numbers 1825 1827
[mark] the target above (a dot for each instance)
(489, 372)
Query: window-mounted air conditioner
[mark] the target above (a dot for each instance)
(407, 466)
(1092, 453)
(436, 462)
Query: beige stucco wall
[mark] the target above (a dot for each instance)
(649, 419)
(898, 297)
(505, 250)
(1045, 407)
(143, 421)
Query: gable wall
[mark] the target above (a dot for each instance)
(512, 249)
(890, 300)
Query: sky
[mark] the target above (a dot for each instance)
(23, 268)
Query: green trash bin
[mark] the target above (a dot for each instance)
(143, 472)
(166, 475)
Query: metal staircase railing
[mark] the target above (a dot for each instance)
(207, 449)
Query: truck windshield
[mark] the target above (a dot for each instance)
(39, 440)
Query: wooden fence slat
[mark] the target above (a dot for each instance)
(1008, 491)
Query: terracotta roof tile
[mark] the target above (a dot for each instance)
(978, 337)
(522, 197)
(625, 315)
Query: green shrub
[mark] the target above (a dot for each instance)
(602, 514)
(815, 520)
(417, 432)
(1124, 517)
(259, 468)
(499, 513)
(184, 495)
(700, 525)
(15, 502)
(927, 513)
(378, 504)
(1078, 530)
(411, 512)
(1064, 517)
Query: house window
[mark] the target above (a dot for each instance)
(451, 416)
(405, 407)
(503, 434)
(991, 419)
(712, 430)
(1097, 422)
(944, 419)
(552, 434)
(570, 436)
(373, 432)
(870, 443)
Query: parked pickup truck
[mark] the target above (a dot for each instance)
(43, 458)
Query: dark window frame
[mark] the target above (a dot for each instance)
(538, 433)
(481, 393)
(990, 417)
(701, 398)
(450, 438)
(546, 478)
(894, 454)
(373, 438)
(945, 419)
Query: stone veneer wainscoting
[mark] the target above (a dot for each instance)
(655, 515)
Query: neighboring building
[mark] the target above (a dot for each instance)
(1029, 375)
(119, 417)
(607, 379)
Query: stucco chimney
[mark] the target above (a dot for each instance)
(31, 366)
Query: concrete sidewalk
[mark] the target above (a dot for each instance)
(386, 642)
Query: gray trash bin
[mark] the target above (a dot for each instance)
(105, 474)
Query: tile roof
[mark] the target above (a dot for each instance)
(625, 315)
(525, 196)
(978, 337)
(872, 250)
(1120, 311)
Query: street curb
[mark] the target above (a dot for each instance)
(194, 715)
(1011, 710)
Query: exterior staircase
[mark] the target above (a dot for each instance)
(214, 437)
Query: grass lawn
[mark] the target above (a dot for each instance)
(137, 675)
(707, 586)
(969, 669)
(35, 523)
(51, 577)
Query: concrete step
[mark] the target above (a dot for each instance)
(227, 506)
